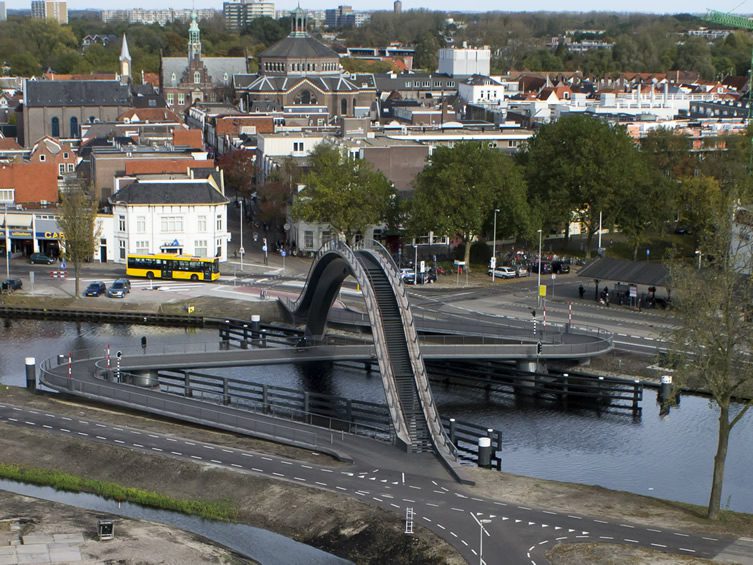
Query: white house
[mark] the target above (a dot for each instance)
(478, 89)
(184, 216)
(272, 147)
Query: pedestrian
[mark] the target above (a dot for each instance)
(581, 291)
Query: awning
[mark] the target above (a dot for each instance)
(631, 272)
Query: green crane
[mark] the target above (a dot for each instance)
(739, 22)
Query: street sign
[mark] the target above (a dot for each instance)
(119, 354)
(633, 292)
(286, 227)
(422, 267)
(242, 251)
(542, 291)
(554, 277)
(493, 262)
(283, 253)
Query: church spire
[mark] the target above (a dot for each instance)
(125, 61)
(194, 40)
(298, 23)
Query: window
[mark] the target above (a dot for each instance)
(202, 221)
(197, 77)
(181, 99)
(219, 248)
(219, 223)
(65, 155)
(171, 224)
(7, 195)
(55, 127)
(344, 107)
(308, 239)
(71, 166)
(170, 98)
(200, 248)
(173, 79)
(122, 248)
(297, 146)
(92, 119)
(121, 223)
(43, 158)
(74, 126)
(61, 169)
(142, 247)
(140, 224)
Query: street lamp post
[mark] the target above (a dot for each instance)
(481, 533)
(538, 278)
(7, 243)
(241, 250)
(494, 245)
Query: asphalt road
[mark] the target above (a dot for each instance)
(517, 534)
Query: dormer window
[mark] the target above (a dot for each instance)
(173, 78)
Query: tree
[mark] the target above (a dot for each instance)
(715, 326)
(578, 168)
(347, 194)
(77, 220)
(238, 168)
(458, 191)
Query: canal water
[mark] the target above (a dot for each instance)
(260, 545)
(667, 457)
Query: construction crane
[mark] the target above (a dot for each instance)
(738, 22)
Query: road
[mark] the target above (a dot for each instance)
(518, 534)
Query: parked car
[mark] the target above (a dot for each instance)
(521, 271)
(560, 267)
(11, 284)
(502, 273)
(40, 259)
(119, 288)
(96, 288)
(423, 278)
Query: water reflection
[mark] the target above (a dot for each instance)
(582, 446)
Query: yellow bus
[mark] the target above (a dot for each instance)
(170, 266)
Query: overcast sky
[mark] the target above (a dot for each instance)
(672, 6)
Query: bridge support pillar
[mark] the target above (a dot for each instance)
(31, 373)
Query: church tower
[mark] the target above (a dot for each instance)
(194, 40)
(125, 62)
(298, 23)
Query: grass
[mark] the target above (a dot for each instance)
(212, 510)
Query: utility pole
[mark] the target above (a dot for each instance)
(494, 245)
(241, 250)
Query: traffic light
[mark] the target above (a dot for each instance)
(538, 348)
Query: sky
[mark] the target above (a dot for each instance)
(647, 6)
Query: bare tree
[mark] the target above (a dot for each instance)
(715, 336)
(77, 220)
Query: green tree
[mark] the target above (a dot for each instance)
(427, 52)
(713, 311)
(347, 194)
(577, 168)
(458, 191)
(77, 220)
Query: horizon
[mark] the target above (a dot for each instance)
(549, 6)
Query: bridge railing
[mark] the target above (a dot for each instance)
(198, 412)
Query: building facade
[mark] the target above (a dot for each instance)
(241, 13)
(161, 17)
(465, 61)
(50, 10)
(184, 81)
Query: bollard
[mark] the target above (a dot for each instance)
(31, 374)
(224, 344)
(255, 326)
(665, 392)
(485, 452)
(143, 343)
(244, 344)
(452, 431)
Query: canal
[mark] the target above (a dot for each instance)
(667, 457)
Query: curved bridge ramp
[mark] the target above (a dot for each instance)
(406, 385)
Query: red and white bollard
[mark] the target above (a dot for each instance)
(544, 324)
(107, 355)
(570, 314)
(70, 367)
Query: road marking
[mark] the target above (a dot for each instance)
(286, 462)
(267, 458)
(548, 512)
(82, 433)
(605, 537)
(118, 429)
(50, 415)
(500, 504)
(476, 499)
(425, 518)
(574, 517)
(627, 526)
(246, 455)
(236, 465)
(257, 470)
(100, 425)
(415, 487)
(326, 470)
(13, 419)
(307, 466)
(207, 447)
(688, 550)
(189, 443)
(601, 522)
(408, 500)
(341, 488)
(215, 461)
(457, 509)
(195, 457)
(658, 545)
(710, 539)
(66, 419)
(153, 436)
(138, 445)
(46, 426)
(524, 507)
(30, 423)
(135, 432)
(278, 474)
(176, 453)
(65, 430)
(119, 441)
(682, 535)
(321, 484)
(453, 534)
(299, 479)
(463, 496)
(630, 540)
(394, 505)
(170, 439)
(432, 504)
(439, 491)
(474, 553)
(441, 526)
(543, 542)
(465, 543)
(101, 437)
(156, 449)
(653, 530)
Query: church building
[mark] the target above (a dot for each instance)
(195, 78)
(302, 76)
